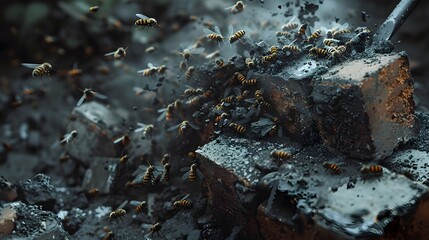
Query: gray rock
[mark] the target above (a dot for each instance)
(365, 108)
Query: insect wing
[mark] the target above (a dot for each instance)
(231, 30)
(80, 100)
(194, 126)
(173, 127)
(185, 176)
(198, 50)
(109, 54)
(99, 95)
(208, 31)
(151, 66)
(139, 15)
(123, 204)
(162, 116)
(217, 30)
(118, 140)
(185, 197)
(30, 65)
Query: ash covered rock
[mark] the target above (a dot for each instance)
(8, 191)
(105, 174)
(365, 108)
(39, 191)
(309, 199)
(99, 124)
(34, 223)
(230, 169)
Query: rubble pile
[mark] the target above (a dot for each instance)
(297, 129)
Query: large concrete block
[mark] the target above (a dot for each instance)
(97, 126)
(365, 108)
(288, 93)
(310, 202)
(232, 168)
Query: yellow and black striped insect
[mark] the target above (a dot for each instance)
(273, 49)
(119, 213)
(314, 36)
(228, 99)
(166, 174)
(259, 95)
(183, 127)
(235, 36)
(165, 159)
(215, 36)
(192, 91)
(249, 61)
(290, 25)
(242, 96)
(240, 77)
(145, 21)
(332, 167)
(146, 129)
(167, 113)
(336, 52)
(219, 62)
(156, 228)
(189, 51)
(238, 7)
(150, 71)
(331, 42)
(280, 154)
(269, 58)
(221, 117)
(39, 69)
(272, 125)
(318, 52)
(161, 69)
(93, 192)
(88, 95)
(193, 173)
(238, 128)
(336, 34)
(302, 30)
(189, 72)
(140, 207)
(250, 82)
(284, 34)
(74, 72)
(119, 54)
(93, 9)
(123, 159)
(373, 169)
(183, 203)
(291, 48)
(148, 175)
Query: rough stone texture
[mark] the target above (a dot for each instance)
(365, 108)
(39, 191)
(288, 93)
(97, 127)
(102, 174)
(34, 223)
(230, 169)
(7, 221)
(8, 192)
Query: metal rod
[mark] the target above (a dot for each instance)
(398, 16)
